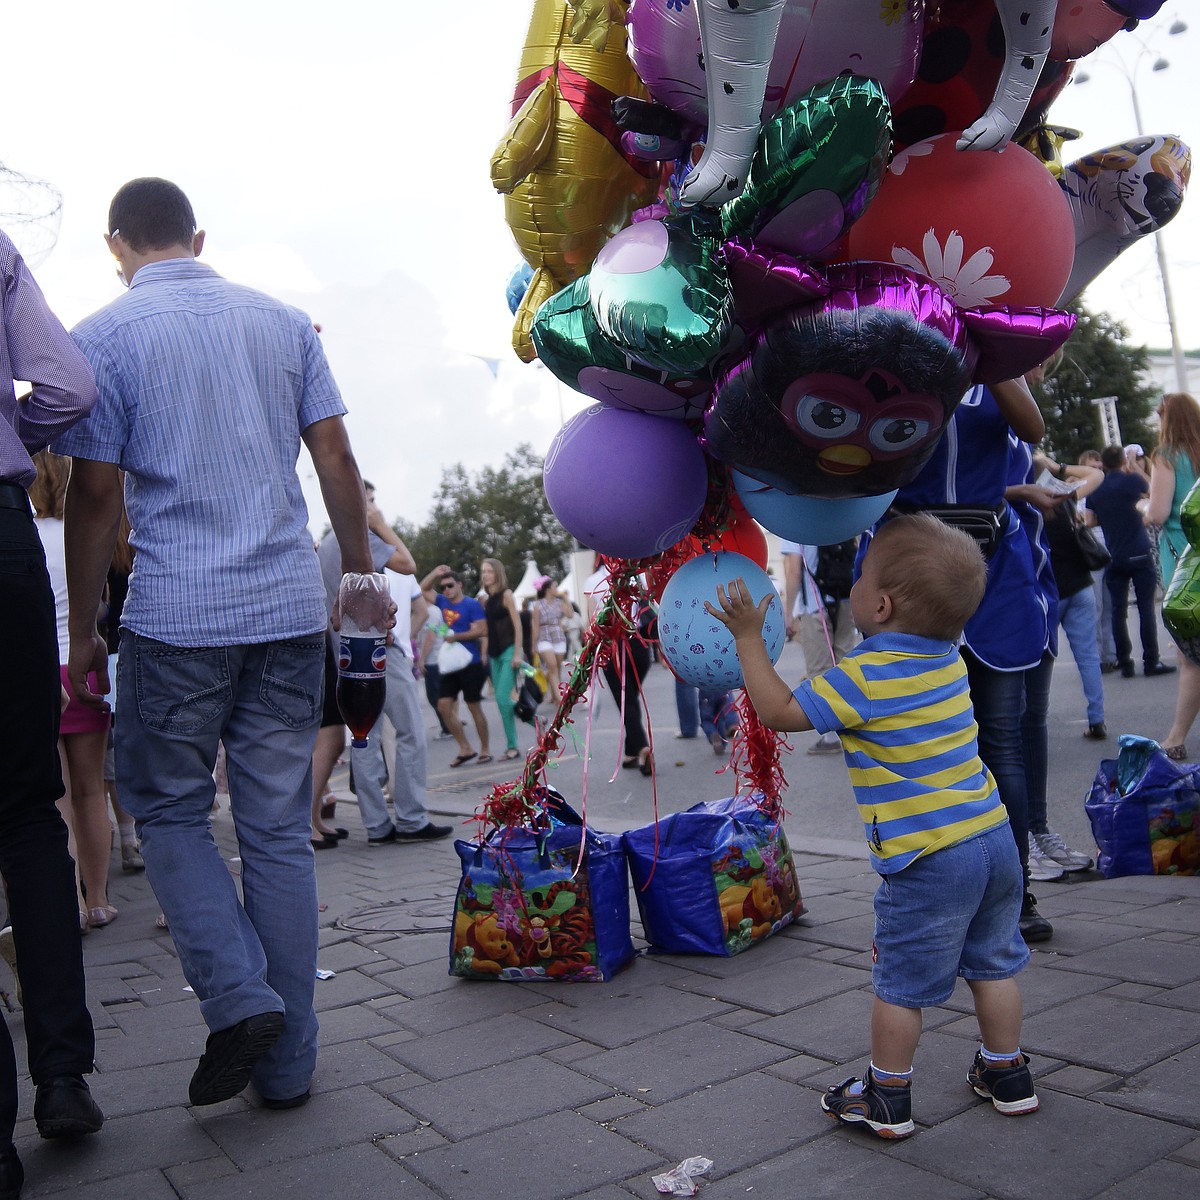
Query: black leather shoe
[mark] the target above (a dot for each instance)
(12, 1175)
(1159, 668)
(1097, 732)
(1127, 670)
(63, 1108)
(229, 1056)
(1034, 927)
(428, 833)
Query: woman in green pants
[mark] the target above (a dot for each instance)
(504, 645)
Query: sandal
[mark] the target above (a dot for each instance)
(102, 915)
(483, 758)
(160, 922)
(463, 758)
(1176, 753)
(646, 762)
(511, 754)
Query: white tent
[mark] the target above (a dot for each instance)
(527, 589)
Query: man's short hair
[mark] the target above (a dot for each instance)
(935, 574)
(152, 214)
(1112, 457)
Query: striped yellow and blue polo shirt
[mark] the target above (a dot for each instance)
(901, 707)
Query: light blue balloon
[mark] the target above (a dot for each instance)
(517, 286)
(809, 520)
(697, 646)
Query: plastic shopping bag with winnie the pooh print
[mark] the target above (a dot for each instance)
(715, 879)
(530, 907)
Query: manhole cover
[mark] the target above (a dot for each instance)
(417, 914)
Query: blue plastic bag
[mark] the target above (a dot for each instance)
(523, 911)
(1143, 811)
(720, 879)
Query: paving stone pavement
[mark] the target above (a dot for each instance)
(429, 1086)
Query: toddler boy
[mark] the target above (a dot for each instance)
(951, 883)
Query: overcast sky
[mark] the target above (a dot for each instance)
(338, 155)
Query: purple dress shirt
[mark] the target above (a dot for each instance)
(36, 348)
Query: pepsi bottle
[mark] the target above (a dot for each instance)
(362, 653)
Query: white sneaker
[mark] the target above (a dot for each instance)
(1055, 849)
(1042, 867)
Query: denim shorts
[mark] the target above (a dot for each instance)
(951, 913)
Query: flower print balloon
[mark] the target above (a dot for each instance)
(986, 228)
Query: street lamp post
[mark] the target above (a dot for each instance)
(1160, 64)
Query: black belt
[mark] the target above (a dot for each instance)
(13, 495)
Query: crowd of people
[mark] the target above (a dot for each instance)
(227, 650)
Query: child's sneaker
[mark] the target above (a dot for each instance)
(885, 1111)
(1008, 1084)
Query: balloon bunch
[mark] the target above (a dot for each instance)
(815, 231)
(776, 241)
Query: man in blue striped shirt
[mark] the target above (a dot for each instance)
(951, 880)
(207, 390)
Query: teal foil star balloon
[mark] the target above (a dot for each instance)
(817, 167)
(572, 346)
(660, 292)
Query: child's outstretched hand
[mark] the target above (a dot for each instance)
(738, 612)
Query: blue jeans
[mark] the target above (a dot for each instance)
(402, 707)
(257, 954)
(1141, 573)
(717, 714)
(1077, 615)
(947, 914)
(687, 707)
(1104, 634)
(999, 700)
(1035, 739)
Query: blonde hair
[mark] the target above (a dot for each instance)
(499, 575)
(48, 492)
(936, 575)
(1179, 427)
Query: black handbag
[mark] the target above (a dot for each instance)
(528, 696)
(1094, 553)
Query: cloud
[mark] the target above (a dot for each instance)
(269, 267)
(419, 401)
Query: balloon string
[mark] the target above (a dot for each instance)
(521, 803)
(653, 779)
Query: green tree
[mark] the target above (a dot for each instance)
(1097, 361)
(499, 513)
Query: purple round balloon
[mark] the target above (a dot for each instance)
(624, 483)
